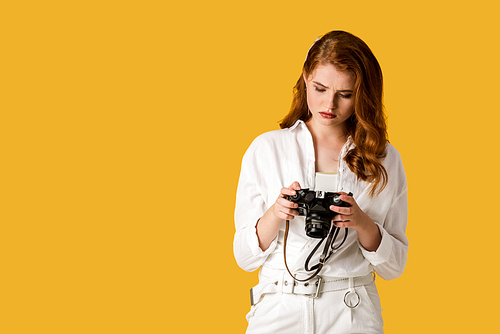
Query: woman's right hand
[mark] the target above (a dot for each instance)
(270, 223)
(283, 208)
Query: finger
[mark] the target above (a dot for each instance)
(340, 218)
(295, 185)
(290, 212)
(341, 224)
(287, 191)
(286, 206)
(286, 203)
(342, 210)
(346, 198)
(286, 213)
(284, 216)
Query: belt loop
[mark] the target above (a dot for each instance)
(280, 282)
(351, 297)
(288, 283)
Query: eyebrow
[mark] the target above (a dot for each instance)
(343, 91)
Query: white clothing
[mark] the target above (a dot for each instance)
(326, 182)
(285, 313)
(278, 158)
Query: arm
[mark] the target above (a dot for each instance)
(256, 227)
(258, 222)
(270, 223)
(390, 258)
(250, 206)
(385, 247)
(353, 217)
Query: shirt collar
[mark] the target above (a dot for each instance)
(296, 124)
(349, 143)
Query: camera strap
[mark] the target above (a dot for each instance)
(327, 251)
(318, 269)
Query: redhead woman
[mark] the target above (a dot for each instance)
(321, 205)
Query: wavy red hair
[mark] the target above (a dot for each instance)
(367, 126)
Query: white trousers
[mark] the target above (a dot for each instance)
(288, 313)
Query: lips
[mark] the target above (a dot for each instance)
(327, 115)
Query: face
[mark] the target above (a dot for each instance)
(330, 96)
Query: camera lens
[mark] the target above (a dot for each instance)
(317, 226)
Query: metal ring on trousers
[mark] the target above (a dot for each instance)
(345, 300)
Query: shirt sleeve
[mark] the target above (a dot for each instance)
(389, 260)
(250, 206)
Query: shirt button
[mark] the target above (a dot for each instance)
(341, 188)
(341, 169)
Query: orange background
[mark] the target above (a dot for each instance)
(123, 128)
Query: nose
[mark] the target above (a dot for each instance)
(332, 102)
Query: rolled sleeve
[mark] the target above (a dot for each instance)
(247, 251)
(389, 260)
(250, 207)
(253, 243)
(383, 252)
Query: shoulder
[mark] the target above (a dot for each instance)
(271, 137)
(394, 165)
(277, 139)
(392, 154)
(265, 145)
(275, 145)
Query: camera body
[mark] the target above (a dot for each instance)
(314, 205)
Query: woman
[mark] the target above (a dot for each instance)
(334, 139)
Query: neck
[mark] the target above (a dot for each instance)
(326, 133)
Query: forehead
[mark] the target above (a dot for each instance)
(329, 75)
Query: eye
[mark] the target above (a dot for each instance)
(319, 89)
(345, 96)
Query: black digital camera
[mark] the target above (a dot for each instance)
(315, 206)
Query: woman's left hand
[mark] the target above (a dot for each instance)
(355, 218)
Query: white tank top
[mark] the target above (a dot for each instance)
(326, 182)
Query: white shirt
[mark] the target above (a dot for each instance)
(278, 158)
